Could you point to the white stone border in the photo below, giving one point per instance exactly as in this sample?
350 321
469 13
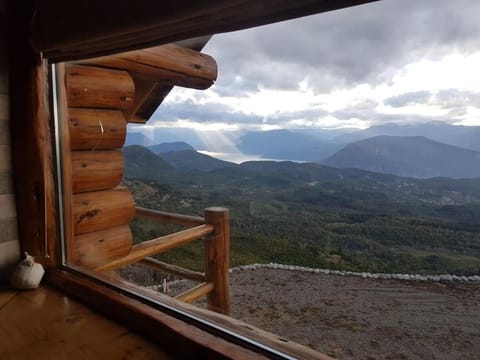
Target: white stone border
365 275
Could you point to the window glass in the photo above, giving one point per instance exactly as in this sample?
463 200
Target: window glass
346 147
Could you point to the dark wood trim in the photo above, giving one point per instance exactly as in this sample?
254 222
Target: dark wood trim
273 341
181 339
31 139
82 29
66 161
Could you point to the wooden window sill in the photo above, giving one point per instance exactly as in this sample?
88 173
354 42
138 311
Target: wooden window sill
46 324
183 339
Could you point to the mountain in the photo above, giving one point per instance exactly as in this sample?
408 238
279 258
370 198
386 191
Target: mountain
264 177
462 136
170 146
411 156
137 138
286 145
142 163
192 160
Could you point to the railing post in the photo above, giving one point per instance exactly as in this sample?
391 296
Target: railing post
217 259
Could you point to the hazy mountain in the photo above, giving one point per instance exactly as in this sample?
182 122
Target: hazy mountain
413 156
192 160
142 163
325 134
170 146
137 138
286 145
462 136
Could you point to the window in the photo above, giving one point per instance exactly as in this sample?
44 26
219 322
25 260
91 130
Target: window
368 225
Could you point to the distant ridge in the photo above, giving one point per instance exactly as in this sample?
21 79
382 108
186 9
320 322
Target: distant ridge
170 146
410 156
142 163
467 137
137 138
286 145
192 160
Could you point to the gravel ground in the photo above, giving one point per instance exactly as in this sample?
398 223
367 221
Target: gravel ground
355 318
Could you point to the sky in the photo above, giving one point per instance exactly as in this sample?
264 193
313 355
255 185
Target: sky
390 61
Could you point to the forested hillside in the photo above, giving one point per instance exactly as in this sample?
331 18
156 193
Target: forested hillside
313 215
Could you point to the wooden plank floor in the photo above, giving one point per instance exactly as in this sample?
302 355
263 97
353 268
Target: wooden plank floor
45 324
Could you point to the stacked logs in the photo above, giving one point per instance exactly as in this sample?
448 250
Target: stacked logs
101 210
102 95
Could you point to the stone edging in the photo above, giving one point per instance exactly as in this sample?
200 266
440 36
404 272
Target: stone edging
365 275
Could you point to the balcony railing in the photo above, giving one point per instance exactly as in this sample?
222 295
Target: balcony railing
214 228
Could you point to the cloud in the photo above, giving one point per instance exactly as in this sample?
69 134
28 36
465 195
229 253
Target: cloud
361 66
410 98
454 98
367 43
209 112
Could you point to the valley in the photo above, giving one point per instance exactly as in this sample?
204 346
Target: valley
314 215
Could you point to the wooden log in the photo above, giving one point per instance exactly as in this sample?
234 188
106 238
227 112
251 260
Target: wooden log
96 170
99 247
158 265
93 87
195 293
100 210
159 245
168 64
169 218
217 259
96 129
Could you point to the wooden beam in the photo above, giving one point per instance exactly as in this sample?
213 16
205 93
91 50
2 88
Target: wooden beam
217 259
76 30
156 246
168 64
195 293
158 265
169 218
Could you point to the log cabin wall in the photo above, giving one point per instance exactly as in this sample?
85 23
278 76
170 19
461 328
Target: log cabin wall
9 244
102 95
100 210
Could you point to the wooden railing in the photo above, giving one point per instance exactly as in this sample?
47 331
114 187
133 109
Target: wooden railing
215 228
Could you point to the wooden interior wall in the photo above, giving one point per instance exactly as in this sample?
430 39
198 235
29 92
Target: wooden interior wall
9 244
100 210
31 139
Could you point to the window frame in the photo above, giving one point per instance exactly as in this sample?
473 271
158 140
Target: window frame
184 326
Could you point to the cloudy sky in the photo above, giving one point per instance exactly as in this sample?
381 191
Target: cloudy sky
391 61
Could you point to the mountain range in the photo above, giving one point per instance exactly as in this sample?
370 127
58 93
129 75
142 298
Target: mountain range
462 136
411 156
412 150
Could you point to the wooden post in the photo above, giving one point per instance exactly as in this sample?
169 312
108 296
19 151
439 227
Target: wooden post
217 259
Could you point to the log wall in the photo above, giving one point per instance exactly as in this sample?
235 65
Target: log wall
100 211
